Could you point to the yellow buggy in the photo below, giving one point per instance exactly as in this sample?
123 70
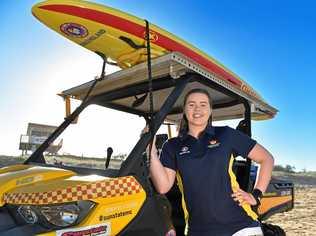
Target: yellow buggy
44 199
40 198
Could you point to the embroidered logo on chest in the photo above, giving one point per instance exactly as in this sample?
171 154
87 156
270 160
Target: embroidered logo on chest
213 143
184 150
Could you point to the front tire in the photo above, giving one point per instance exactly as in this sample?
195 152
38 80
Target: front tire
272 230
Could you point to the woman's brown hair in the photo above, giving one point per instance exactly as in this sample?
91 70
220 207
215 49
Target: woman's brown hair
184 127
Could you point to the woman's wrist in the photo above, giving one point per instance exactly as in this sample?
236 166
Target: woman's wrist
257 194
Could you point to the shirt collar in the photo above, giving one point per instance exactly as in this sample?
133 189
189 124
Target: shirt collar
209 130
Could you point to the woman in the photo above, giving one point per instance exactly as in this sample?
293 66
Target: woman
202 155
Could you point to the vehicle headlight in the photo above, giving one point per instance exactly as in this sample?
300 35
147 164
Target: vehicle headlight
55 216
28 214
62 216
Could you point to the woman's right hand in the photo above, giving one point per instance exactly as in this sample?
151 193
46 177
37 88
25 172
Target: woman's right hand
162 177
243 197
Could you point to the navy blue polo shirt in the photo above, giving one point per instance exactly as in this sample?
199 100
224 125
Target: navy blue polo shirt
205 168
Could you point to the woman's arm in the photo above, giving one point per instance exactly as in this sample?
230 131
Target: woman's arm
162 177
260 155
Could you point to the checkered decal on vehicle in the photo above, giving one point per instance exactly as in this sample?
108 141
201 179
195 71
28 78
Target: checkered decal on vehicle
107 188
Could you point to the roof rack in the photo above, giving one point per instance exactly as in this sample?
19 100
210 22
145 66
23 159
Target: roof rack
175 65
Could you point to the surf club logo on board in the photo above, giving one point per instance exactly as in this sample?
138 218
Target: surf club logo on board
74 30
153 36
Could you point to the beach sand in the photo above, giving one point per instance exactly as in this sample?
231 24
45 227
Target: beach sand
302 219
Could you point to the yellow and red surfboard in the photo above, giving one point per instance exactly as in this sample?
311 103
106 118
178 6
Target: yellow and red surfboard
121 36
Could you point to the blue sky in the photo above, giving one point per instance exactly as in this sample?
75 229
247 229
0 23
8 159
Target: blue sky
269 44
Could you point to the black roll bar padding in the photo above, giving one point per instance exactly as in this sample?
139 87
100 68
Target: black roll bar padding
37 156
130 166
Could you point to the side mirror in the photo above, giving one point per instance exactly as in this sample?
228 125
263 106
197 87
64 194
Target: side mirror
109 152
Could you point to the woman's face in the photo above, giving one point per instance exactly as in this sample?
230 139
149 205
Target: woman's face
197 110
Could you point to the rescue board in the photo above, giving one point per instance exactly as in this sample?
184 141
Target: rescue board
122 37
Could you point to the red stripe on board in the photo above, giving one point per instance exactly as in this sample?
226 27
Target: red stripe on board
138 30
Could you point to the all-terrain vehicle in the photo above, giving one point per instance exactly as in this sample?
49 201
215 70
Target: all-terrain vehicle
43 199
40 198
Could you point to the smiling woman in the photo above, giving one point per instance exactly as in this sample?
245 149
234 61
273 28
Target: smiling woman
256 49
201 157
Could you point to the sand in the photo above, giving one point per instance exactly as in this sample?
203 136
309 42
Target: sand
302 219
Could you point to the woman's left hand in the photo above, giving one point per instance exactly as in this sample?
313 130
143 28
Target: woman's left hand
243 197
